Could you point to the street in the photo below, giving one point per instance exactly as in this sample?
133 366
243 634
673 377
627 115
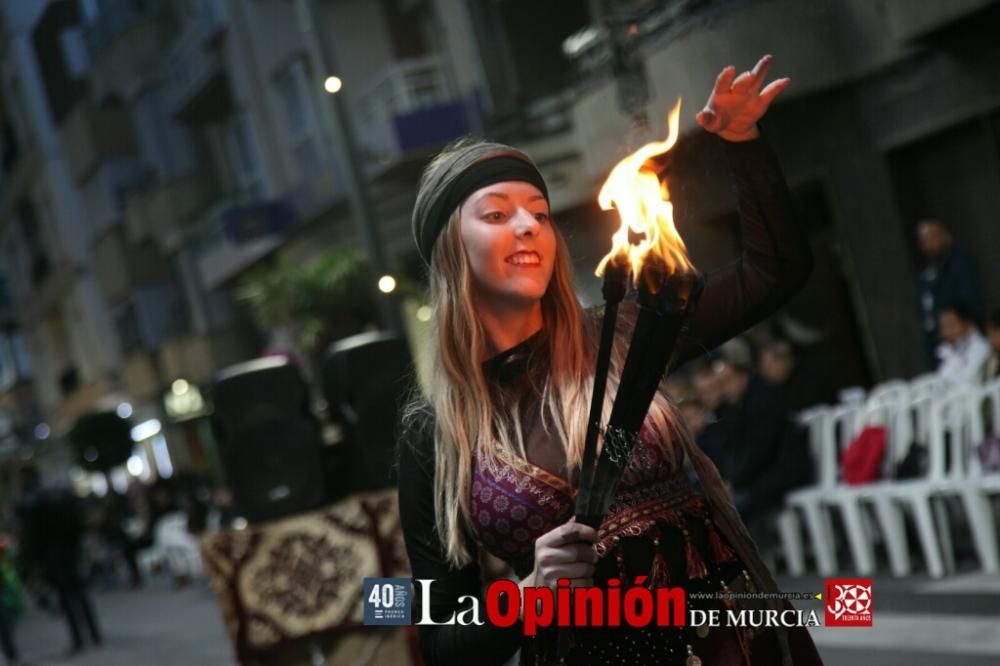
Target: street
155 625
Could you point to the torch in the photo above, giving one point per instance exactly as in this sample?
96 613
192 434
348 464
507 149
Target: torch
668 289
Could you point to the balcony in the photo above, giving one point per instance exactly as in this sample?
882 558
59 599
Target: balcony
237 233
93 134
126 42
410 107
163 210
121 266
222 257
197 85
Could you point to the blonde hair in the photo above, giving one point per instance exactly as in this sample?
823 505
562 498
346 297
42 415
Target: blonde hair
466 421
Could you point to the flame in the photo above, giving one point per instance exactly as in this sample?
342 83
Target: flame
644 207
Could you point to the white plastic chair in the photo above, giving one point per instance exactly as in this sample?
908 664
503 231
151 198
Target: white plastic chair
787 521
923 391
980 485
830 428
947 429
790 533
852 395
887 406
180 549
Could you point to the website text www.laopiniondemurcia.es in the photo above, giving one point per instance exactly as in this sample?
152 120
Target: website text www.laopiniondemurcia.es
611 606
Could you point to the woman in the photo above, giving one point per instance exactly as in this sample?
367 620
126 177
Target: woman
485 458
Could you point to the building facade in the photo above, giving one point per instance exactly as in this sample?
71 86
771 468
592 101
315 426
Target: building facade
154 152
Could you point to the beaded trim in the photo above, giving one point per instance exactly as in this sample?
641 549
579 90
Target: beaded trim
634 512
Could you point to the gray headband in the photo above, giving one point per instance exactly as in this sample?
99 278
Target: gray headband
459 174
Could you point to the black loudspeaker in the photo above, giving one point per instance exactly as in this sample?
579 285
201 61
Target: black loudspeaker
269 442
366 379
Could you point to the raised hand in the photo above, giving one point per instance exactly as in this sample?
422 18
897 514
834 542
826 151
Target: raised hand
737 102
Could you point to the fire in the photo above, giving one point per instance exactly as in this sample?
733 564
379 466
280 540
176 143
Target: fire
644 207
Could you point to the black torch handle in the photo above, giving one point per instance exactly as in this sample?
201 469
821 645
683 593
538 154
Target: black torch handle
586 478
627 426
613 289
627 414
589 487
650 353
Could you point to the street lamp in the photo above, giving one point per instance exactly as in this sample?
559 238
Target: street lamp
314 30
387 284
333 84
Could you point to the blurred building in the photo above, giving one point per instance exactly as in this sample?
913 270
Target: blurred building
154 151
56 314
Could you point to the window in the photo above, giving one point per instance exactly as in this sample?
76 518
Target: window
295 91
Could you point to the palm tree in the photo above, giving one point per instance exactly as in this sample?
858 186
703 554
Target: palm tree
316 302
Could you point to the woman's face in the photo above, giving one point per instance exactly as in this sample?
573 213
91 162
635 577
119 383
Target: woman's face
510 242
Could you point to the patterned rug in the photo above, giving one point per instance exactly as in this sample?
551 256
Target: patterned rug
300 577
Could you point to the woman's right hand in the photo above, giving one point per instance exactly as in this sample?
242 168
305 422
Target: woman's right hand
566 551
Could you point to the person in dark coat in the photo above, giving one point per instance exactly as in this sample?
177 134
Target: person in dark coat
949 276
52 530
765 452
798 387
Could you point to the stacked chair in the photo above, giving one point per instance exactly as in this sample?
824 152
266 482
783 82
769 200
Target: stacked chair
949 422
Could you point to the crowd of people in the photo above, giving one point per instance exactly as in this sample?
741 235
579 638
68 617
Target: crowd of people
741 404
742 413
61 545
951 308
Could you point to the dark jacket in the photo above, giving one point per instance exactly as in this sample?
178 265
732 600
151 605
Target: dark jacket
952 281
766 453
52 529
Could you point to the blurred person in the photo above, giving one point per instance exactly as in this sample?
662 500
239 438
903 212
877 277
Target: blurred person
991 369
10 603
693 414
964 351
118 510
780 368
708 392
52 530
777 362
222 510
765 453
486 459
949 276
161 500
706 385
